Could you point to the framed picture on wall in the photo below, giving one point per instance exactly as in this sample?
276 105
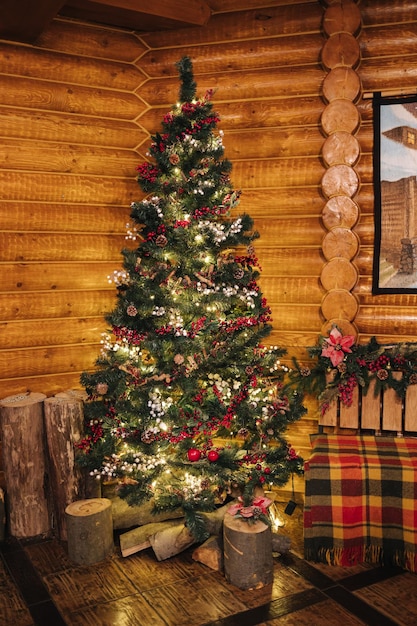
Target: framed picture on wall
395 186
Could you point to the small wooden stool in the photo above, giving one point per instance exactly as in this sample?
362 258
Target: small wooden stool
89 530
248 559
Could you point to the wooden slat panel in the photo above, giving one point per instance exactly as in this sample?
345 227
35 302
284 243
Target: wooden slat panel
82 218
277 20
91 40
69 128
349 415
57 157
43 64
410 417
392 408
55 275
60 247
54 332
50 304
54 96
67 188
371 409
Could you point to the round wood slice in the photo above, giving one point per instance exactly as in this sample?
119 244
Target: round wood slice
341 148
339 273
340 211
340 242
89 530
341 49
23 399
340 180
345 327
340 115
342 83
248 560
342 17
340 303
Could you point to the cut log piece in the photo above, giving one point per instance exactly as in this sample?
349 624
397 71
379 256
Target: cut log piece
280 543
210 553
139 538
89 530
64 426
214 519
171 541
248 560
126 516
22 436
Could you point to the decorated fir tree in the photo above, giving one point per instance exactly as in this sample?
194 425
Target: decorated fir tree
187 404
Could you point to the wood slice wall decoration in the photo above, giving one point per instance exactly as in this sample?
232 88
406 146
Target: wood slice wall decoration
340 56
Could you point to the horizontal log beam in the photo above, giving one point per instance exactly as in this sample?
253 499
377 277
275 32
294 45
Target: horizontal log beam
149 16
26 19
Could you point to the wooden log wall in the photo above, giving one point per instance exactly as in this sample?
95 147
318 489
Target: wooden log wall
76 111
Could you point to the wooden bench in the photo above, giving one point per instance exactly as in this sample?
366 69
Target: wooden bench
361 482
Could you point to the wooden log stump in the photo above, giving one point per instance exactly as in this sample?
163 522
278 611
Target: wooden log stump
138 539
2 516
64 427
210 553
89 530
23 446
171 541
248 560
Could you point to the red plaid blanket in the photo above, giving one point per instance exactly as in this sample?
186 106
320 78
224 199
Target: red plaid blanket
360 500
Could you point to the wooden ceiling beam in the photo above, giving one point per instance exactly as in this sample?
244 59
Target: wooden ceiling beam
142 15
26 19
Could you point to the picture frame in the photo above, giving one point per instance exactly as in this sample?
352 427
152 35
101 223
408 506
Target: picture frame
395 192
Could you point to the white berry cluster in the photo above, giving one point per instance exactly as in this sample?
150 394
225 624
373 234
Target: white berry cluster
158 311
158 407
119 278
154 203
132 232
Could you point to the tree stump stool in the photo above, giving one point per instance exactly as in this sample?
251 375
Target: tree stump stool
2 516
23 447
89 530
248 560
64 426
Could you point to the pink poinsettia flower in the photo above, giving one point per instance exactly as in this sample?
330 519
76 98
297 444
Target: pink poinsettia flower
336 346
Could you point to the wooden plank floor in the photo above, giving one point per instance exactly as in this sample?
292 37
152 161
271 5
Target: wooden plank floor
40 586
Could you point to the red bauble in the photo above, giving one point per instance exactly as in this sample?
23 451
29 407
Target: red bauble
194 454
213 456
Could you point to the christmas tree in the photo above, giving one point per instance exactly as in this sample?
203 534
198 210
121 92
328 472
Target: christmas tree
186 404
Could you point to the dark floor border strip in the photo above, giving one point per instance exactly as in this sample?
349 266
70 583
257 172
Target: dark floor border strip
272 610
370 577
30 585
358 607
